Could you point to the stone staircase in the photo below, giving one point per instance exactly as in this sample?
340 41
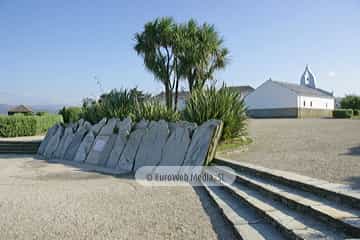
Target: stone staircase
269 204
19 147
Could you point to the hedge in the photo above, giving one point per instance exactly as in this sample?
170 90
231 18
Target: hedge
350 102
343 113
20 125
356 112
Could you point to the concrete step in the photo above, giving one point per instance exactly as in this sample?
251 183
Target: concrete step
246 223
335 192
19 147
18 152
291 223
19 142
340 216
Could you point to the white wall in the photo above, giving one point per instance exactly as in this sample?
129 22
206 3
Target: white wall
180 105
271 95
316 103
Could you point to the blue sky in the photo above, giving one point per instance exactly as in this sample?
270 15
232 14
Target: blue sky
50 51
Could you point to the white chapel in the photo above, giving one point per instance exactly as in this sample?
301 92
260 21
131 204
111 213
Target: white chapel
288 100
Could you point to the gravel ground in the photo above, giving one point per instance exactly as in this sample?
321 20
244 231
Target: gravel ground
40 200
328 149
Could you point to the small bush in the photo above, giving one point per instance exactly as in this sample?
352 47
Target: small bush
115 104
20 125
223 104
119 103
357 112
154 110
70 114
92 112
343 113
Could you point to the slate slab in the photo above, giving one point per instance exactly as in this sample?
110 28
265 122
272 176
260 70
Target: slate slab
127 158
124 128
142 124
54 142
50 133
85 147
188 125
96 150
64 142
200 143
103 145
174 150
149 153
108 128
105 154
81 122
86 125
97 127
118 148
75 143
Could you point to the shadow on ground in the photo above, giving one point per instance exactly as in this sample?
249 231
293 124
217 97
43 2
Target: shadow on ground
220 225
353 151
354 182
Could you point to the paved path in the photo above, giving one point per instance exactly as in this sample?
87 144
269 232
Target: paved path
23 139
39 200
328 149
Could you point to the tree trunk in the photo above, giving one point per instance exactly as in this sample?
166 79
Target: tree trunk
168 96
176 93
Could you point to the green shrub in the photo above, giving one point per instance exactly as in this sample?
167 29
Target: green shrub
70 114
350 102
153 110
357 112
91 112
223 104
20 125
115 104
343 113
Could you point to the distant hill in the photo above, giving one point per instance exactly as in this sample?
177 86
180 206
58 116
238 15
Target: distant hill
47 108
4 108
36 108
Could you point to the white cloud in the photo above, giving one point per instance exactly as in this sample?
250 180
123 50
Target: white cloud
331 74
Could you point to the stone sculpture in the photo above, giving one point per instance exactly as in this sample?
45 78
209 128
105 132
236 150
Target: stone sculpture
122 147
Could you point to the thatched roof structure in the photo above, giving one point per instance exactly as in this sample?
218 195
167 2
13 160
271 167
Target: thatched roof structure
19 109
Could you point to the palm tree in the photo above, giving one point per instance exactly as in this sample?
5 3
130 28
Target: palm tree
174 52
202 53
156 45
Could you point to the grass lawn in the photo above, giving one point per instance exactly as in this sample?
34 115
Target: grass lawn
233 144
